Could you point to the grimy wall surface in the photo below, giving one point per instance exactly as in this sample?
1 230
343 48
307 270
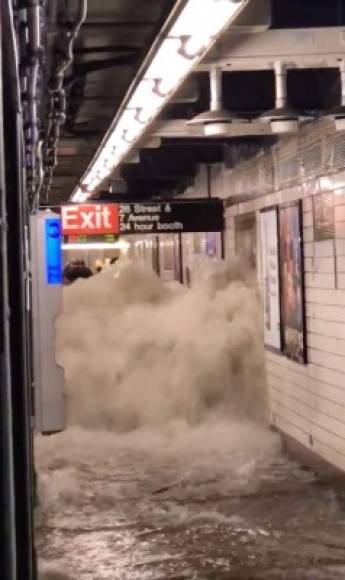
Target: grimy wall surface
307 401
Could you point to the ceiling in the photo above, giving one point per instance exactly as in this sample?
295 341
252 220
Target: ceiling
110 48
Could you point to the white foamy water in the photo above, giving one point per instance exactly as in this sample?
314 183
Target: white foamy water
49 571
165 395
137 352
101 491
230 454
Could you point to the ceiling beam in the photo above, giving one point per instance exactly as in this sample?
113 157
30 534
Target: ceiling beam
183 153
180 129
299 48
155 172
120 24
81 50
255 17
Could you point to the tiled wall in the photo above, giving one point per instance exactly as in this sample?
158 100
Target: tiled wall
307 401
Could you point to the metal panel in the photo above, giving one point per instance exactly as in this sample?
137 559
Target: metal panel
287 164
7 498
312 160
338 151
46 307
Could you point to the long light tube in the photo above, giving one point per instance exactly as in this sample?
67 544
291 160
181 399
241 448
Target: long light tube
80 196
119 245
182 46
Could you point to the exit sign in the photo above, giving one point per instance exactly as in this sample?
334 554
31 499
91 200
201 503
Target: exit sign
90 219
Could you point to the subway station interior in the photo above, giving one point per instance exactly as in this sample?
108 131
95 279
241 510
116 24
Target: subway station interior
172 279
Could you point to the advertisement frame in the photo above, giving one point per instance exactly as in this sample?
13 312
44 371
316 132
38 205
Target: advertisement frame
323 224
268 346
241 223
302 359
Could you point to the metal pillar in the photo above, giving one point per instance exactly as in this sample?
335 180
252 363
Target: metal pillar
16 492
7 499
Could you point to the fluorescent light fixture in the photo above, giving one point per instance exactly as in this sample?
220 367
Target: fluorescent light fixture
144 98
80 196
169 66
180 48
120 245
89 178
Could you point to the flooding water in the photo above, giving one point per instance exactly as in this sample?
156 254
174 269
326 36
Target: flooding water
168 468
207 503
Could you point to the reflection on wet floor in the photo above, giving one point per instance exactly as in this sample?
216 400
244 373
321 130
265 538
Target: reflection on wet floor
193 506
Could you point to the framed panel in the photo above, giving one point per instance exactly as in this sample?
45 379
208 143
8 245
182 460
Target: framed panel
211 244
323 216
245 238
168 255
270 278
198 239
178 258
292 283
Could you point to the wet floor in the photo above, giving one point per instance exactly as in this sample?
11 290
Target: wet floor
212 503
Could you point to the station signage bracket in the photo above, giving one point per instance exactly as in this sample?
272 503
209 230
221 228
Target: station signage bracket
161 217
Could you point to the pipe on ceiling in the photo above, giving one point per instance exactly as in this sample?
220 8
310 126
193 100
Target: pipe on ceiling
31 59
281 85
283 119
217 120
57 98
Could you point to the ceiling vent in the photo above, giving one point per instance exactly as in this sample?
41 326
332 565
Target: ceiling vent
216 121
282 118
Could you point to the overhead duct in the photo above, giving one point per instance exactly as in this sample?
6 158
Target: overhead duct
337 114
217 119
283 119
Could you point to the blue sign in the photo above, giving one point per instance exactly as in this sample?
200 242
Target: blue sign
53 251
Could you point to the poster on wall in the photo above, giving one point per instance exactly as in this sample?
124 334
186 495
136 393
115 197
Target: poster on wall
197 242
245 238
168 254
270 278
167 257
291 275
323 216
211 244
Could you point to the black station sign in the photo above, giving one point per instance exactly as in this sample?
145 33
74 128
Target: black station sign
172 217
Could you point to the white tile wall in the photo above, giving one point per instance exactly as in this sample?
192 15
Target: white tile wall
308 401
